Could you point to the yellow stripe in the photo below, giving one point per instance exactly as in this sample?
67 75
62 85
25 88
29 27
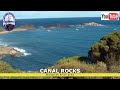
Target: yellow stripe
59 74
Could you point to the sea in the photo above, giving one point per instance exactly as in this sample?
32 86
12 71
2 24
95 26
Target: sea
43 48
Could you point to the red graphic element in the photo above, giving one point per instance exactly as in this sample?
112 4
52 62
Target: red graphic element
113 16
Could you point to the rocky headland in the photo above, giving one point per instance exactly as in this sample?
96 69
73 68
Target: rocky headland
4 50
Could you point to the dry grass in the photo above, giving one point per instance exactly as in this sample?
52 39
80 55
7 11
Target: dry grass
75 63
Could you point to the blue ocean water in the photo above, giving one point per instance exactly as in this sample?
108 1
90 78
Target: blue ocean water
44 48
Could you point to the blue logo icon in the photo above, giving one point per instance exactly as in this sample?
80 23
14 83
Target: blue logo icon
9 21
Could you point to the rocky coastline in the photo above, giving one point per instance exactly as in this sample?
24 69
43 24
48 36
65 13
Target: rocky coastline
4 50
70 26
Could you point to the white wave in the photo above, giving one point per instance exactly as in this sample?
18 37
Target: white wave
16 48
77 29
49 30
26 54
22 51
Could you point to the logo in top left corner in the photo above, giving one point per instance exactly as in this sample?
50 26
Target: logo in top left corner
9 21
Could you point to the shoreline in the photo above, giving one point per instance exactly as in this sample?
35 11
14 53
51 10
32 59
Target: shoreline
4 32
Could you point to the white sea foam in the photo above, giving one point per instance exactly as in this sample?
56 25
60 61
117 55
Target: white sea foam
22 51
16 48
48 30
77 29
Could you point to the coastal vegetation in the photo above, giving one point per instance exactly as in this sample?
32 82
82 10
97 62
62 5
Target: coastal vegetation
104 56
7 68
107 50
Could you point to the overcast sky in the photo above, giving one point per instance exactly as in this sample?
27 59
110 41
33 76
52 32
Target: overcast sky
51 14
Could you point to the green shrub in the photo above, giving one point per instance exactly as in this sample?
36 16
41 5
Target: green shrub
102 50
7 68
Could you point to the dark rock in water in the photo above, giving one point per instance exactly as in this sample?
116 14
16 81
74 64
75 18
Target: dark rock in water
106 50
56 26
72 26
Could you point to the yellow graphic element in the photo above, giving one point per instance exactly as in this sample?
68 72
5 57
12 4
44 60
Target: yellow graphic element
59 74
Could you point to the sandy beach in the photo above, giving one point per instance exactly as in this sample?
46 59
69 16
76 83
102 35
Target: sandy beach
16 29
4 32
21 28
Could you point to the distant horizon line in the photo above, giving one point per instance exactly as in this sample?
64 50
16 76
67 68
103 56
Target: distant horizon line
53 17
58 17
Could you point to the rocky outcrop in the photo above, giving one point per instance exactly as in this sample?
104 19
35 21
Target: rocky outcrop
71 26
107 49
92 24
9 51
26 27
56 26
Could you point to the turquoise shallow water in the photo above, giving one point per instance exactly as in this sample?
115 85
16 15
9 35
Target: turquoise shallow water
44 48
